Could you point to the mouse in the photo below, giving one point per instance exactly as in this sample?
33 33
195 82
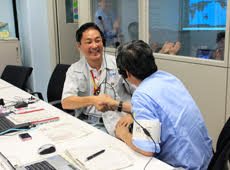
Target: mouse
46 149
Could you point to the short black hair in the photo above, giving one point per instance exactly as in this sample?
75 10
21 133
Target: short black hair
85 27
137 58
220 36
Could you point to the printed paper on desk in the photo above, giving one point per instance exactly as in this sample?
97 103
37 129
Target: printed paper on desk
63 132
35 117
103 161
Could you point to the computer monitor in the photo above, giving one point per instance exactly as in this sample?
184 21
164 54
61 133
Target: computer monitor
204 53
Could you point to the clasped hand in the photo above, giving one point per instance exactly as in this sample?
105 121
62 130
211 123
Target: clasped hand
104 103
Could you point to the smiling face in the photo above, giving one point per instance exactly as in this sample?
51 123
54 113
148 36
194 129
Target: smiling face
91 46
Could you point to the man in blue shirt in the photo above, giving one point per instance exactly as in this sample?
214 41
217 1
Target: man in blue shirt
167 122
107 22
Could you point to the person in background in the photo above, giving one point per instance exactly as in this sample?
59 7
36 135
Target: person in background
167 48
133 30
167 122
95 73
108 23
219 51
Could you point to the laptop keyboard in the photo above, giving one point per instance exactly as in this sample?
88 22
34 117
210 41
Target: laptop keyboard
5 124
44 165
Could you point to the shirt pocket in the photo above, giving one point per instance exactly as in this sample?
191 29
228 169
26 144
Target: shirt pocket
112 83
82 86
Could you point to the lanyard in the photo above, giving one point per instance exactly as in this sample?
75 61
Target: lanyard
96 89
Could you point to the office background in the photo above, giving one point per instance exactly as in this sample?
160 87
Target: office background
47 38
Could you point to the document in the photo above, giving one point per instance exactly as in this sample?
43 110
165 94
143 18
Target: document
34 116
63 132
113 158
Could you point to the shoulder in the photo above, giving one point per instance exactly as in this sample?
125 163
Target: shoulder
77 66
110 61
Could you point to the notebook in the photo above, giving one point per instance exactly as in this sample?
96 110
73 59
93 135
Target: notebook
7 126
56 162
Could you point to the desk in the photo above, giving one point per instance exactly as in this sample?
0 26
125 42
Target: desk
66 133
4 84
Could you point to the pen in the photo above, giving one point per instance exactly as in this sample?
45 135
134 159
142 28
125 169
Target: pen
95 154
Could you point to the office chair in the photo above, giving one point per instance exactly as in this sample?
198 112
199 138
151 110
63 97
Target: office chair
17 75
221 158
55 86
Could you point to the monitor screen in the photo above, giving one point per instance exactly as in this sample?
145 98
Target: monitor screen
204 53
204 14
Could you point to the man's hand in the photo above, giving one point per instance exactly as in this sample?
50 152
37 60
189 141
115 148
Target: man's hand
122 132
116 24
100 103
175 48
125 121
170 48
105 102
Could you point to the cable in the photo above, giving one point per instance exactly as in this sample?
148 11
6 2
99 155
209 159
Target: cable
106 83
11 129
149 135
105 70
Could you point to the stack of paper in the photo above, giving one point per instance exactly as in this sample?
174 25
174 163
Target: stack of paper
112 159
34 116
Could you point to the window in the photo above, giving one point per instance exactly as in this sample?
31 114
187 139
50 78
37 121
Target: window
117 22
7 22
188 27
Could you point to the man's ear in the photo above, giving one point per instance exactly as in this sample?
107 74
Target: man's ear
128 74
78 45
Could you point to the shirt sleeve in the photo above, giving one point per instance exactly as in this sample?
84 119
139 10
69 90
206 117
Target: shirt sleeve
144 111
72 84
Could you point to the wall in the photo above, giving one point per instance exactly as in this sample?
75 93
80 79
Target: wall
35 43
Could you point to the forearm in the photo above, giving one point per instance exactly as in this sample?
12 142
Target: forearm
126 106
128 140
76 102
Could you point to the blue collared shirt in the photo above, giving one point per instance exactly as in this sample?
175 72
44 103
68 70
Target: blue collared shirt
106 25
184 140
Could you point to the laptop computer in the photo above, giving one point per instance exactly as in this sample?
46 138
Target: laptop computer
56 162
7 126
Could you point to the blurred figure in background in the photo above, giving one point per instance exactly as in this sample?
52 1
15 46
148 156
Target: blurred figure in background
167 48
219 51
108 22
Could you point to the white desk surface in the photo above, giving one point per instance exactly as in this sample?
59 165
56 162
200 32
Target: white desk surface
4 84
66 134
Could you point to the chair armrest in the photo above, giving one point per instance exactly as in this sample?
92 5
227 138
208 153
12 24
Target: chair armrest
38 94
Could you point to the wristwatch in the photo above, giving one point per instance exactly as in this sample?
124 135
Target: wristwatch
119 108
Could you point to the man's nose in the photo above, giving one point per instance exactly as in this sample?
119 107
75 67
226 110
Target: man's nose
94 44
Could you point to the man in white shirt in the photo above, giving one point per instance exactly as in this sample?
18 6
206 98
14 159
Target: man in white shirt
95 73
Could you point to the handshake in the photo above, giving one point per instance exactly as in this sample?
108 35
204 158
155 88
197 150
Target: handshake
104 103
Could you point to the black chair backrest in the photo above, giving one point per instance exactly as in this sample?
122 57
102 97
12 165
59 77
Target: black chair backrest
17 75
222 154
56 82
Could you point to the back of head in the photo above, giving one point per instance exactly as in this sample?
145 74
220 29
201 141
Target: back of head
133 30
220 36
137 58
86 26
